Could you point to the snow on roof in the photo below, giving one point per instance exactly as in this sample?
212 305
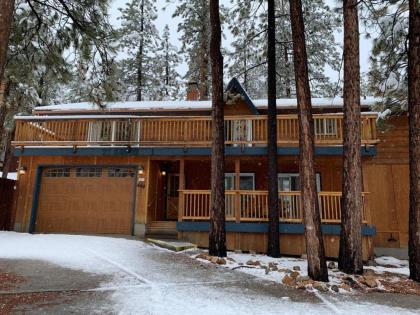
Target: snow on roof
190 105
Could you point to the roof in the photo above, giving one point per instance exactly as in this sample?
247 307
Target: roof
184 105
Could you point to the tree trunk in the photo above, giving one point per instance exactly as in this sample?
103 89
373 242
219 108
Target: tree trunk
317 266
217 235
414 139
350 254
8 152
4 91
273 194
140 57
6 19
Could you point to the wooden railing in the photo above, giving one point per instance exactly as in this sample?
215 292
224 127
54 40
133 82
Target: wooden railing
176 131
250 205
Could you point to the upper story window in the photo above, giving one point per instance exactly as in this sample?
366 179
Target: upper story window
246 181
291 182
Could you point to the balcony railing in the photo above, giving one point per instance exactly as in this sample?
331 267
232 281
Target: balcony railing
176 131
251 205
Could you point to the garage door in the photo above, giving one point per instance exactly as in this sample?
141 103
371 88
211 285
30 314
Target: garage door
86 200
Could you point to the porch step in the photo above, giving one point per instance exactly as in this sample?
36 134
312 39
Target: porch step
165 229
171 244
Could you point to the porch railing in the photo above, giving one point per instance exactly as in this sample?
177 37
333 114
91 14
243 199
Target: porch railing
176 131
251 205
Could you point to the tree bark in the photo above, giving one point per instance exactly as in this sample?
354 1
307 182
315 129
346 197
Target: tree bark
317 266
350 253
6 19
8 152
414 139
140 54
273 194
217 235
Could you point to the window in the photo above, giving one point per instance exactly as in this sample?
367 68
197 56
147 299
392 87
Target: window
88 172
57 172
120 172
246 181
290 182
326 126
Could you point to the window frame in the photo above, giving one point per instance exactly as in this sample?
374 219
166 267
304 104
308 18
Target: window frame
233 175
317 179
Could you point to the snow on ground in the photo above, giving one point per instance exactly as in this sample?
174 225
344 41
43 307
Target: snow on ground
10 175
390 264
148 280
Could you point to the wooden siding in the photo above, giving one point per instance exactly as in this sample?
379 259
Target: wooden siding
386 177
178 131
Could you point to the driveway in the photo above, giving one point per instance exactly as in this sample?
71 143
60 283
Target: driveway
68 274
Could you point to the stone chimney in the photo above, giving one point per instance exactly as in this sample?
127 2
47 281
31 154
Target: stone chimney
193 93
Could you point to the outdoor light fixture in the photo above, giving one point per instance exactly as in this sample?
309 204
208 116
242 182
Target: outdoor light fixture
141 170
22 170
163 173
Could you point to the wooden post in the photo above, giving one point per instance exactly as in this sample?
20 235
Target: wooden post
237 188
181 189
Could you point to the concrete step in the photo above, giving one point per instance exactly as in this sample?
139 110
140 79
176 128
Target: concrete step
171 244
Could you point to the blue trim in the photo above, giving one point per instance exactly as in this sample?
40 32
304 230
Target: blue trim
176 151
285 228
235 86
37 188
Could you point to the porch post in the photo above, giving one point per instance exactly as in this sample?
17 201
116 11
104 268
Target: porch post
181 189
237 193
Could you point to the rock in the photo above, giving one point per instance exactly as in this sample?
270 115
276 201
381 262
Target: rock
320 286
331 265
294 274
288 280
297 268
369 272
221 261
272 264
370 281
274 268
303 278
253 263
345 286
214 260
335 288
230 259
284 270
202 256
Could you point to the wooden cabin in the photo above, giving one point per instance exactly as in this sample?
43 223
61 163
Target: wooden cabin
143 168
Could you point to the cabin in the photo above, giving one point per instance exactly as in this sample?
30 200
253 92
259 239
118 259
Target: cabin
143 169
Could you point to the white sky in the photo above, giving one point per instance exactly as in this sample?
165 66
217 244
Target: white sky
165 17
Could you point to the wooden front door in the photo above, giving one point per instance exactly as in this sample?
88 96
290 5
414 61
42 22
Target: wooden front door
86 200
172 197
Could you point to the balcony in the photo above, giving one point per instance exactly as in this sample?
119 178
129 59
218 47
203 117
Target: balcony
252 206
188 131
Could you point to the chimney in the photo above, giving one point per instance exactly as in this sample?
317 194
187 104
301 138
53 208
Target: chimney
193 93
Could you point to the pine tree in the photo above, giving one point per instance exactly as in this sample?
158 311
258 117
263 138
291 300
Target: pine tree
168 59
387 75
217 235
250 37
273 194
139 40
195 38
350 253
317 265
414 139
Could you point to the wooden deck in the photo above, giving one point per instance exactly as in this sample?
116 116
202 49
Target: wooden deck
252 206
185 131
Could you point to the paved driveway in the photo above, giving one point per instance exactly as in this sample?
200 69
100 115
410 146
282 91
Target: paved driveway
64 274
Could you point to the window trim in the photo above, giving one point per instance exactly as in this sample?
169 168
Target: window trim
233 175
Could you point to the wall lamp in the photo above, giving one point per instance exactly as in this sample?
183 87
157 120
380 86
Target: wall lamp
141 170
22 170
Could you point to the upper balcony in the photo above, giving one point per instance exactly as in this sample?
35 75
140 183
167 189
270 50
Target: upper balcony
177 131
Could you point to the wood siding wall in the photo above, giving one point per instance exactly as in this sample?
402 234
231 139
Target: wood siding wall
386 178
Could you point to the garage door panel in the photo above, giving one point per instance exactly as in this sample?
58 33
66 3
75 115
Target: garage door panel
88 205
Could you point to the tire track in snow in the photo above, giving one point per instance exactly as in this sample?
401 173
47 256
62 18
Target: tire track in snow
328 303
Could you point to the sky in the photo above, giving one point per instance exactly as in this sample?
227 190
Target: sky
165 10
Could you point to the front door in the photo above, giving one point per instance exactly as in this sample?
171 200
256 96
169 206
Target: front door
172 197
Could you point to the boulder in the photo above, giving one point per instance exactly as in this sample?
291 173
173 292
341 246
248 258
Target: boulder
331 265
295 274
296 268
320 286
288 280
335 288
221 261
345 286
370 281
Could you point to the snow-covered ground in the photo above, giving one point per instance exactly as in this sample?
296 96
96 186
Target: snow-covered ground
150 280
10 175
